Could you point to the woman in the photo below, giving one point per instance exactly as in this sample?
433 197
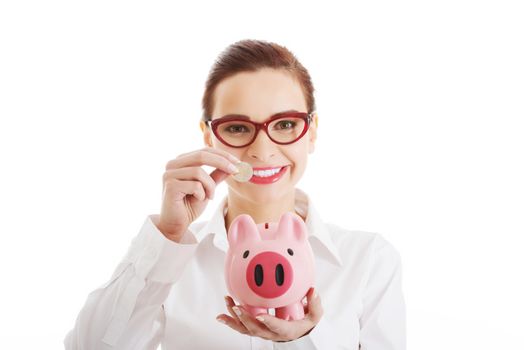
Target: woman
170 286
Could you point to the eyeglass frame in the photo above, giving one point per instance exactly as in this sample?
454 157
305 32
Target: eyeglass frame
306 116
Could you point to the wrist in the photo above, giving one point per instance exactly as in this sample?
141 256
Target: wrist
171 233
303 335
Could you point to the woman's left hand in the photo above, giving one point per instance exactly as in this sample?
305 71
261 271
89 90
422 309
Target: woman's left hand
270 327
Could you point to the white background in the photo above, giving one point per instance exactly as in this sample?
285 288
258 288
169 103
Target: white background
420 138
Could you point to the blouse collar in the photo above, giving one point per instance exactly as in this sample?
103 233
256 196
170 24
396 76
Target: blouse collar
317 229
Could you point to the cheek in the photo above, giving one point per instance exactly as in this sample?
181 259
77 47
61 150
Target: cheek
234 151
299 159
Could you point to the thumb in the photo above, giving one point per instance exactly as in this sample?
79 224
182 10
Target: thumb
315 310
218 175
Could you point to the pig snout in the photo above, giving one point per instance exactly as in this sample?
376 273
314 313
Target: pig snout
269 274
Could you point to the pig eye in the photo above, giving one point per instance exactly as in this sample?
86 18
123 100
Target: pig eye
290 251
246 253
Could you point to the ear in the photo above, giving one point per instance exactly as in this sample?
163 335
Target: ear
312 132
242 229
206 131
291 226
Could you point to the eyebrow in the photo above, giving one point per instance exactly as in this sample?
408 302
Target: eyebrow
242 116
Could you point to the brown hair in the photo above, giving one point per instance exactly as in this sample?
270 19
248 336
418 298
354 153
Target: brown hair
248 56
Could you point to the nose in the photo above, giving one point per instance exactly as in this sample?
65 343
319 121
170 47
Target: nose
269 274
262 147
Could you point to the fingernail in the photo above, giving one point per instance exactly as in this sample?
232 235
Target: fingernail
260 318
232 168
227 300
237 310
220 320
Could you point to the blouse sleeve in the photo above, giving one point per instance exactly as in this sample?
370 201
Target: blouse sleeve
126 312
383 318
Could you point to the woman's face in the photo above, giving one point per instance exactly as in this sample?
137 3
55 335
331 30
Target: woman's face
260 95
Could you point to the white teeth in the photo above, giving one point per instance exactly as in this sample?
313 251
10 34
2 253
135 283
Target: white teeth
266 173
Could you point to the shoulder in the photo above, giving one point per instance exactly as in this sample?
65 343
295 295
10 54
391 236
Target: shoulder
375 258
365 244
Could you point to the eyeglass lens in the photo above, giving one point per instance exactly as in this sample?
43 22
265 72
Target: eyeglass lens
239 133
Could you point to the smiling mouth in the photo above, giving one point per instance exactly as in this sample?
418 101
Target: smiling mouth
268 172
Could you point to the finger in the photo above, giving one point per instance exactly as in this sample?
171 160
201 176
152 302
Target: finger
193 174
230 303
203 157
305 304
218 176
315 310
185 188
274 324
218 151
254 326
232 323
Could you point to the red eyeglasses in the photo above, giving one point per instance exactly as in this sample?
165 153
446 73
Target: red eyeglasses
236 130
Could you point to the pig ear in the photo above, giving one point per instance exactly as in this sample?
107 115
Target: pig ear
242 229
292 227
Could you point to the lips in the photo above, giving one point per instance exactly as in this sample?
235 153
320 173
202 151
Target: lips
268 175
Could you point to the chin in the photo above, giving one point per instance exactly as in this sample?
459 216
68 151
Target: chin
267 193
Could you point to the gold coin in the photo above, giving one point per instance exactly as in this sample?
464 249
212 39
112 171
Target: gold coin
245 171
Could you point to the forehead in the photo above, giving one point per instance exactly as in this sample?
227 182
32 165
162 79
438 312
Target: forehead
258 94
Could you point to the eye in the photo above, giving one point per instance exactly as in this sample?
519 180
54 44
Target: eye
246 253
237 128
285 124
290 251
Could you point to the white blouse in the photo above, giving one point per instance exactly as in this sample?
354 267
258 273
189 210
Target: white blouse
170 293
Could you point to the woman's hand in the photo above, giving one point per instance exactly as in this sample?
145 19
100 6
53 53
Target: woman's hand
188 188
270 327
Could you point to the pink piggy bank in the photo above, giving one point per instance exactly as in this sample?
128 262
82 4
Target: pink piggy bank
270 265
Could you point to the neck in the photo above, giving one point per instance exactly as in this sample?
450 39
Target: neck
260 212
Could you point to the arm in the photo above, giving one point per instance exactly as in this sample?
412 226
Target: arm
383 318
126 312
